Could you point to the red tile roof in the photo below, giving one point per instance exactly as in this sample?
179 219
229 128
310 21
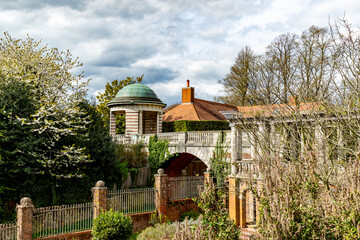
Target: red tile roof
273 109
199 110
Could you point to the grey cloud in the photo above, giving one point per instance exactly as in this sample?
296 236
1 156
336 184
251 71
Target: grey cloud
156 75
39 4
122 55
125 9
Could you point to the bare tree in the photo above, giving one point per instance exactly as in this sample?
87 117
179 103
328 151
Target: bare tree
282 53
241 82
308 151
315 69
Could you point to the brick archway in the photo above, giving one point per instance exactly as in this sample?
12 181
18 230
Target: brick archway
180 164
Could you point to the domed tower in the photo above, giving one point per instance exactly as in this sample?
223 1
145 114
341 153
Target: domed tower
142 109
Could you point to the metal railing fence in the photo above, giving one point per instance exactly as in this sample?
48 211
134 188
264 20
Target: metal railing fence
131 201
185 187
8 231
56 220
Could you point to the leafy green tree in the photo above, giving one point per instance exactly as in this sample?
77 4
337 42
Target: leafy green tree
105 164
17 166
111 89
56 94
103 152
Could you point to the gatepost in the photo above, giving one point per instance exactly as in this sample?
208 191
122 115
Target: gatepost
25 213
99 198
162 193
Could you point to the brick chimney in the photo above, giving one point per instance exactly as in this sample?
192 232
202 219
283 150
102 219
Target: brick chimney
187 93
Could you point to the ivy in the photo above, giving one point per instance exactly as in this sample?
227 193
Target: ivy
158 152
216 220
220 163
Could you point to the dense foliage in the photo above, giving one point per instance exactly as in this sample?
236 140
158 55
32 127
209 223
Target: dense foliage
54 145
112 225
158 152
133 155
215 218
187 125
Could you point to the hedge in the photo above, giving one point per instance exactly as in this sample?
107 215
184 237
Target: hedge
186 125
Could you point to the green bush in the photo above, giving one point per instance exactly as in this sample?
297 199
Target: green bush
186 125
158 152
112 225
191 214
216 220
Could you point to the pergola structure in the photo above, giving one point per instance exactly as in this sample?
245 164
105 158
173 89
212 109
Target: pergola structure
142 109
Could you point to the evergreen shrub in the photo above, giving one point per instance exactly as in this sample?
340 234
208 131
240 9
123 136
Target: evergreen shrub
112 225
186 125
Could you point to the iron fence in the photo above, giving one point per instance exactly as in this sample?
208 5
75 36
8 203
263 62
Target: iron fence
185 187
56 220
8 231
131 201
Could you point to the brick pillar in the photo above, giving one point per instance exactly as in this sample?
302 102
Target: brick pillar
161 189
131 124
260 189
99 198
141 122
234 203
160 122
25 219
242 210
112 124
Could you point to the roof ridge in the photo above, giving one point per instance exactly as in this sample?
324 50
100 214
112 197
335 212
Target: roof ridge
197 114
232 106
208 111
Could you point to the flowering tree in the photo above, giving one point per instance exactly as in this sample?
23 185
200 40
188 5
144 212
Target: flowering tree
55 93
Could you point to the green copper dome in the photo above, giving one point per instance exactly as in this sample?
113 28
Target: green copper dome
136 94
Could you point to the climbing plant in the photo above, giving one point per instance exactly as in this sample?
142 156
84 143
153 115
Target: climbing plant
158 152
220 162
215 218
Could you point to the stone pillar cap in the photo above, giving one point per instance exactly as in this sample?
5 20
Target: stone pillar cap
160 171
25 201
100 184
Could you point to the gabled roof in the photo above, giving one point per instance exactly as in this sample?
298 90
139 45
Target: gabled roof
198 110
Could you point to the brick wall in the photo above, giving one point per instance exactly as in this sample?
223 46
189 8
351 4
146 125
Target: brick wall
177 207
141 221
86 235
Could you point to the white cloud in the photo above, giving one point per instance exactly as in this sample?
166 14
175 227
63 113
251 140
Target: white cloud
168 41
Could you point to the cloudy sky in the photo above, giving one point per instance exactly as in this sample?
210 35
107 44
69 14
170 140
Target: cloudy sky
168 41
